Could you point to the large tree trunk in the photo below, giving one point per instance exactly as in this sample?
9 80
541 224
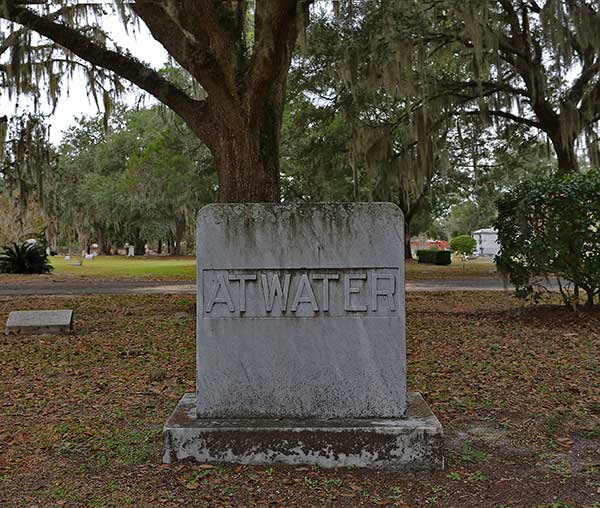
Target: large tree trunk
247 160
565 153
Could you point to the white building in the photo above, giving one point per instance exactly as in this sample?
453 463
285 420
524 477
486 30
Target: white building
487 242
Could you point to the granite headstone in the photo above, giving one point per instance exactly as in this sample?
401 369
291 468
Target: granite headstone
301 311
300 318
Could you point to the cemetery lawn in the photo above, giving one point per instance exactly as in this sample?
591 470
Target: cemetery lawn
184 268
458 269
122 267
516 387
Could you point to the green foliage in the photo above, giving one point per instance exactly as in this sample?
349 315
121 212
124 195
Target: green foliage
469 216
27 258
434 256
360 124
551 227
485 164
464 245
144 184
471 455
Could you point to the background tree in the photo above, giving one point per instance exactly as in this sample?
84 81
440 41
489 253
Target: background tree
167 186
18 224
463 245
485 162
361 86
26 170
144 184
534 62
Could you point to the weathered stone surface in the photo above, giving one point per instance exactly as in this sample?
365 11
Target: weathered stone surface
300 345
39 321
413 442
334 347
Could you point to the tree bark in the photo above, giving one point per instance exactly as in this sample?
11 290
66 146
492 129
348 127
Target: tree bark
140 246
407 246
179 232
565 153
590 298
248 162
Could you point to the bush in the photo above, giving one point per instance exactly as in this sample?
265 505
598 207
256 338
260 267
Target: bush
551 227
434 256
24 258
463 244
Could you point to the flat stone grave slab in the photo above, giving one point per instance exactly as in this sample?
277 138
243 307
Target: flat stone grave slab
39 322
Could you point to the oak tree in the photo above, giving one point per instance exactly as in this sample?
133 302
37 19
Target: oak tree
238 52
534 62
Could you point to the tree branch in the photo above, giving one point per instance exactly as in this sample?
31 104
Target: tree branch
276 25
511 14
14 36
127 67
588 73
505 114
590 104
11 39
191 51
485 86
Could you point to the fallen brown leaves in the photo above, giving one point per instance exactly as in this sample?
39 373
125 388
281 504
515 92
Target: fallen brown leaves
516 387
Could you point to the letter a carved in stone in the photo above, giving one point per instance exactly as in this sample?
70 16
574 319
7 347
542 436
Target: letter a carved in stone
215 298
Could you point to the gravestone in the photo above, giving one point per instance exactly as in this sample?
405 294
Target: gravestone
301 341
39 322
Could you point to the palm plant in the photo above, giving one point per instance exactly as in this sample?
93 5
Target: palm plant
24 258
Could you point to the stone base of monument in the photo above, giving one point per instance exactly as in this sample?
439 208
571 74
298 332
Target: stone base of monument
414 442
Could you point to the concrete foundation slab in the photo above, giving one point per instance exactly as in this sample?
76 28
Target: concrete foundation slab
39 322
414 442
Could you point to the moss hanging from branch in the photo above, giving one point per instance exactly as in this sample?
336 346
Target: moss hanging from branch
37 67
543 55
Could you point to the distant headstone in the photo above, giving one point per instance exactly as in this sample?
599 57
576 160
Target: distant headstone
301 341
39 322
131 251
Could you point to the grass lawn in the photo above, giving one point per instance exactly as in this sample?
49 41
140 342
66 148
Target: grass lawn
517 388
470 268
184 268
116 267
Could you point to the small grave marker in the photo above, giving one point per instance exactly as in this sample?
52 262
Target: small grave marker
39 322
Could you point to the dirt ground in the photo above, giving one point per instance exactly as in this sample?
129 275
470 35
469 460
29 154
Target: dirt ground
516 387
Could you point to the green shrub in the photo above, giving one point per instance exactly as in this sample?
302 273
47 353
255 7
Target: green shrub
463 244
550 227
24 258
434 256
